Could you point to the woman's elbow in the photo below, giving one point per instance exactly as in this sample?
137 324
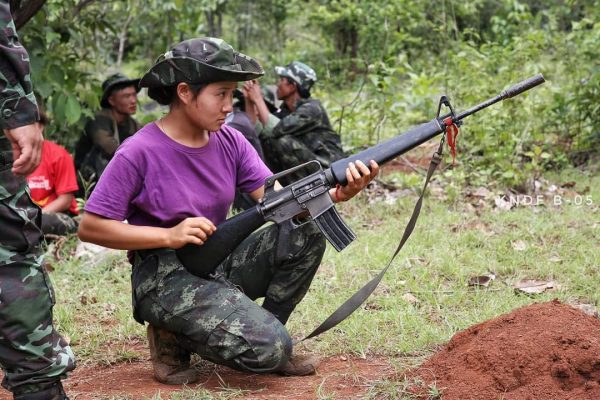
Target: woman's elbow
83 232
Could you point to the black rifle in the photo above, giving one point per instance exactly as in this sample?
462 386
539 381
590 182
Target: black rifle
310 195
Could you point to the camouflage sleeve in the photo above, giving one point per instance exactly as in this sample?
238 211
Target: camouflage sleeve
17 102
304 119
266 129
101 131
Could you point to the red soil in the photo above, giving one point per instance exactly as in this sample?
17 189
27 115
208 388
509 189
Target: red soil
548 351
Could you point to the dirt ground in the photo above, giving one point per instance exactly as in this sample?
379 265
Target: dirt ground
340 376
548 351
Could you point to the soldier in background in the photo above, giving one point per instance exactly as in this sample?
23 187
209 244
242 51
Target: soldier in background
304 132
109 127
33 356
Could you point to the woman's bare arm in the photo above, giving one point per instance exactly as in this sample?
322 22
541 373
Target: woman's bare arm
119 235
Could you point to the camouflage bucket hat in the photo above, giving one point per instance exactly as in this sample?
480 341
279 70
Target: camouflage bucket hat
300 73
201 60
113 81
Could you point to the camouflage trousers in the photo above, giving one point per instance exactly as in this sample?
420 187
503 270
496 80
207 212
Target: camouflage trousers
60 224
33 356
217 318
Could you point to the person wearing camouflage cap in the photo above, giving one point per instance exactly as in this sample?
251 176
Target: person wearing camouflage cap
300 131
33 356
173 181
109 127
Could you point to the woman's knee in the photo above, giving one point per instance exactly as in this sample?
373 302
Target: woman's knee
273 348
259 344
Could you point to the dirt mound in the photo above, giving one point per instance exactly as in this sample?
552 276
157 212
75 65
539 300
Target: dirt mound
547 351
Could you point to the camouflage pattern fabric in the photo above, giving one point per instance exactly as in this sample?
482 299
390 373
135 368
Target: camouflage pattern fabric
99 142
201 60
17 101
217 318
300 73
33 355
303 135
60 224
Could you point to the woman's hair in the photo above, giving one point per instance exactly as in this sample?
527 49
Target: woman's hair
167 95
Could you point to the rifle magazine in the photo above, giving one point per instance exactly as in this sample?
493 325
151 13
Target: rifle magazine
335 229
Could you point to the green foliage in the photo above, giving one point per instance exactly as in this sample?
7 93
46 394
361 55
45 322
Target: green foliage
381 65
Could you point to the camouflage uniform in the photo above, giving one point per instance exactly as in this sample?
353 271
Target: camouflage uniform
304 134
33 356
57 223
102 135
217 318
99 142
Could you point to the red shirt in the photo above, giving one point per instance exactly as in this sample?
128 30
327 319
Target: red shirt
54 176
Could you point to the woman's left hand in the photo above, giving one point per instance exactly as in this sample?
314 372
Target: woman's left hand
358 176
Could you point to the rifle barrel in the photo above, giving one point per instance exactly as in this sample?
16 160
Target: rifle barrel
507 94
392 148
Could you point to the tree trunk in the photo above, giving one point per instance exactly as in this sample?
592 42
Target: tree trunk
24 10
214 20
123 39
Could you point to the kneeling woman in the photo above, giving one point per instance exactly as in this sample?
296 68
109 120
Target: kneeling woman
173 181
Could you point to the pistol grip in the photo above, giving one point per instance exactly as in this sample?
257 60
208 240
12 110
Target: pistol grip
335 229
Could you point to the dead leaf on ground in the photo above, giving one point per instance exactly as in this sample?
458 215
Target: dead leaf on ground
471 225
372 306
519 245
87 300
410 298
555 259
533 286
588 309
482 192
481 280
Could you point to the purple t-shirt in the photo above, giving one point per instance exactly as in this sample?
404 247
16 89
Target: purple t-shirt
154 181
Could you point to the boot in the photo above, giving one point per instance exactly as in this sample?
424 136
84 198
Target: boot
170 362
55 392
300 365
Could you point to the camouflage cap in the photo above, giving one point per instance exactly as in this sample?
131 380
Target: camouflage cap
112 82
300 73
201 60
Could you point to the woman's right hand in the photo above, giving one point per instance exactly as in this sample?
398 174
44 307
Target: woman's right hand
194 230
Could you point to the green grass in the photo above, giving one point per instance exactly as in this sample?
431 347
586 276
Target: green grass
452 242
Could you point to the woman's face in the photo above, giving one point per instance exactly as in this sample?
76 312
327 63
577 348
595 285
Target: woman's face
209 109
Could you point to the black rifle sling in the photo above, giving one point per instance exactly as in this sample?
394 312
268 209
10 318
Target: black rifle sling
363 294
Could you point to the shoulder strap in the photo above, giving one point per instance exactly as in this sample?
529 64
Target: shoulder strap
361 295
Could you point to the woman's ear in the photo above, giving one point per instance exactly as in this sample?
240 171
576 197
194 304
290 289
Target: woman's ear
184 93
